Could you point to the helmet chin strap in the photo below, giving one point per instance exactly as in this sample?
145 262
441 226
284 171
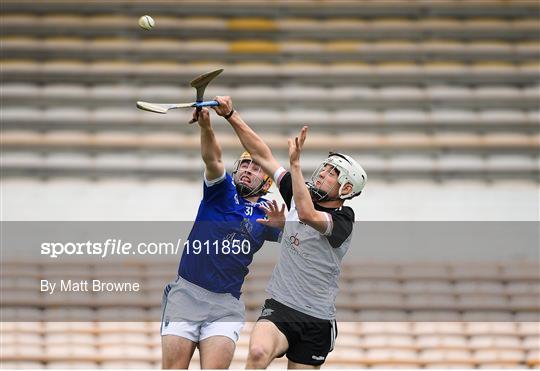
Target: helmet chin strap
318 195
244 190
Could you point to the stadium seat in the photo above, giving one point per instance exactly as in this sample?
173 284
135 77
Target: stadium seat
382 315
423 271
71 365
450 328
453 365
528 328
435 315
126 365
388 341
491 342
415 286
265 92
69 351
513 356
385 328
501 328
445 355
69 314
523 271
509 365
441 341
475 315
22 365
388 355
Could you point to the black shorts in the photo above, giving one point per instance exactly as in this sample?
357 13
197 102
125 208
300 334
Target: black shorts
310 338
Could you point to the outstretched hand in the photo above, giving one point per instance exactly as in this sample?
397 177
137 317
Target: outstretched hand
275 216
296 144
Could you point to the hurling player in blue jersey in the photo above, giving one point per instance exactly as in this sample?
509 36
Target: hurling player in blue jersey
202 307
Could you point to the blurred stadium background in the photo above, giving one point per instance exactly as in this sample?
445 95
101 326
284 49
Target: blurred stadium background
439 100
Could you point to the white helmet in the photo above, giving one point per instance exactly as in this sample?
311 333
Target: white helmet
349 171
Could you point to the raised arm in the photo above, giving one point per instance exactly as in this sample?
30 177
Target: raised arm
210 148
258 149
307 213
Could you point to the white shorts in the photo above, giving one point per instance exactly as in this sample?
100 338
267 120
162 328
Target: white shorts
195 313
197 331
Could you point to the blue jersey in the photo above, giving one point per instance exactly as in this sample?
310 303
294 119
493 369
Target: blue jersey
224 237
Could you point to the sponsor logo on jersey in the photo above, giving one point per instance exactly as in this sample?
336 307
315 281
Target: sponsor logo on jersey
246 226
294 240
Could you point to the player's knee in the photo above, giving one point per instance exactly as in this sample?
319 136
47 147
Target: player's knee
259 355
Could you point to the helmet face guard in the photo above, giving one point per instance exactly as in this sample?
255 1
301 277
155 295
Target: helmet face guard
316 190
261 179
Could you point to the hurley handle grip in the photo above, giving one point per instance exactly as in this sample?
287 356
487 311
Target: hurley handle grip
208 103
